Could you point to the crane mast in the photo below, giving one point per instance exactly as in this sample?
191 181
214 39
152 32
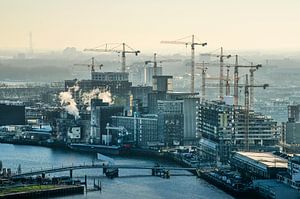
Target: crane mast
203 78
155 61
236 77
192 44
227 81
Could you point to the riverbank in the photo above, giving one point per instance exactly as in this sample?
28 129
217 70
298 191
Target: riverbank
130 180
40 191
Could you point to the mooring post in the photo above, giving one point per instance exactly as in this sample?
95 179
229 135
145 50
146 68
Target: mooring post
85 183
100 186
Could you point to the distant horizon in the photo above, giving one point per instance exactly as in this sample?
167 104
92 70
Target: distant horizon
238 25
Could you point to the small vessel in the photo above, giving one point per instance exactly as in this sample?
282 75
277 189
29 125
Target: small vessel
103 149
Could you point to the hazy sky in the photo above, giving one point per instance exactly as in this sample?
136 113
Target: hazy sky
234 24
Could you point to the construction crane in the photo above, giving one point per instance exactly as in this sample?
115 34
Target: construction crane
203 76
236 77
160 61
221 79
122 132
92 65
113 47
192 43
247 108
227 81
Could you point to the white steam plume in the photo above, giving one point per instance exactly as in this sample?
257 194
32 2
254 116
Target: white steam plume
96 94
69 104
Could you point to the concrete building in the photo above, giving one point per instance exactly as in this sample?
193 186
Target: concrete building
170 106
141 93
115 82
149 73
224 127
294 170
12 114
110 76
161 86
258 165
292 133
171 123
101 115
143 131
294 113
191 133
170 126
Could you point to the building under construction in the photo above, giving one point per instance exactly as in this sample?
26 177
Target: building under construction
223 129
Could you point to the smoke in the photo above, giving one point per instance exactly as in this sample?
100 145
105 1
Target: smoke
67 101
96 94
69 104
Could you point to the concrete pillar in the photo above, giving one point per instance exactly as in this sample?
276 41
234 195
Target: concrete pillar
71 173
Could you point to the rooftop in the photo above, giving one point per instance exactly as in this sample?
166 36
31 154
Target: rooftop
265 158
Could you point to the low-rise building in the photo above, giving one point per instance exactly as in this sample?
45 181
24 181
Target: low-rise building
142 130
258 165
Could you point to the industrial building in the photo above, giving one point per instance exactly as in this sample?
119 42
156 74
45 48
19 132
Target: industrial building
292 133
258 165
294 171
109 76
116 83
101 113
294 113
149 73
223 126
161 86
170 126
140 93
143 130
191 133
12 114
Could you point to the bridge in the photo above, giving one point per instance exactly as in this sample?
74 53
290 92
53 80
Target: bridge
97 166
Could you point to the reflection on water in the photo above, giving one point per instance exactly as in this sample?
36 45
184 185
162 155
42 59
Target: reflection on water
131 184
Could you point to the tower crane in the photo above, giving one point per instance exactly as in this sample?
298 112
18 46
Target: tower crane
160 61
113 47
236 77
192 43
92 65
122 132
247 108
203 76
221 56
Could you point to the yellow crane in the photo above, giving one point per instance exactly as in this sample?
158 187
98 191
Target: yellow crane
191 43
115 47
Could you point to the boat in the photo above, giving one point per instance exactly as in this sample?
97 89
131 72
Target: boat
103 149
230 184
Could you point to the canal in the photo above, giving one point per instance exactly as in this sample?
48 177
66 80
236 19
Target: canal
131 183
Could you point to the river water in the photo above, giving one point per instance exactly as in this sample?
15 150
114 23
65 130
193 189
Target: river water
135 184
